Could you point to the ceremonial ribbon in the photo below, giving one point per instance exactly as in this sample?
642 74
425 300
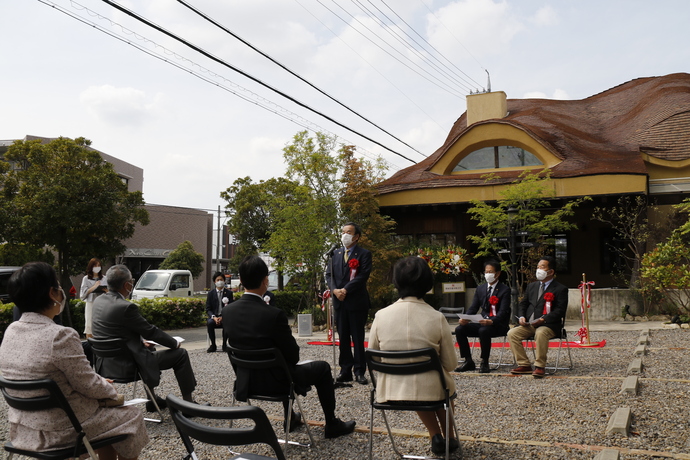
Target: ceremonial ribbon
586 299
325 296
548 298
493 301
354 265
582 333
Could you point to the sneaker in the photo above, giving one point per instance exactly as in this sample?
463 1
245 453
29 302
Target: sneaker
337 427
538 373
521 370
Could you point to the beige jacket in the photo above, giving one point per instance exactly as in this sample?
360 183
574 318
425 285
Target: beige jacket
35 348
408 324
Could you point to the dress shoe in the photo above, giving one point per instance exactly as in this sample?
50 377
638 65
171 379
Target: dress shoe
337 427
295 422
521 370
438 444
484 368
538 373
342 378
362 380
161 404
211 349
467 366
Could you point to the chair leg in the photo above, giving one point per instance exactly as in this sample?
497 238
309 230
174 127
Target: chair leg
371 432
390 434
304 418
153 400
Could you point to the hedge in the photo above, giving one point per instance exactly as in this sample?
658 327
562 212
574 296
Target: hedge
166 313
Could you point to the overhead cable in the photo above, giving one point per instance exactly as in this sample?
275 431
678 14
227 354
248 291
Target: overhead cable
251 77
225 29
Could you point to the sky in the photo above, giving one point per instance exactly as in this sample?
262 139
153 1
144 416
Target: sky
193 134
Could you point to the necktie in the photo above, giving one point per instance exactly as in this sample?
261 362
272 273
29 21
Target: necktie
488 296
541 290
347 254
220 302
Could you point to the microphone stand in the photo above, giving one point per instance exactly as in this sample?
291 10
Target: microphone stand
331 315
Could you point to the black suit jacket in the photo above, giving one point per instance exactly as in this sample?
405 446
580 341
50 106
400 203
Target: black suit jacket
212 301
532 303
481 302
251 324
338 277
116 317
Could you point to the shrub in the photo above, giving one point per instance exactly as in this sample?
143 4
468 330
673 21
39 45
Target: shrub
291 301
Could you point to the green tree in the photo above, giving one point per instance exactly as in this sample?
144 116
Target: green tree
359 204
63 195
19 254
529 195
184 257
305 220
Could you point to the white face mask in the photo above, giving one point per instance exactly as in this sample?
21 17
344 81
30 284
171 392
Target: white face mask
96 270
541 274
220 284
64 300
346 239
490 277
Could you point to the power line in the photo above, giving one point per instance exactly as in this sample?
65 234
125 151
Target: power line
262 102
256 80
440 84
421 53
427 42
220 26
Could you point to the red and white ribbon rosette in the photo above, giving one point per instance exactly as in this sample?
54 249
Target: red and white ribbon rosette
493 301
354 265
548 298
324 298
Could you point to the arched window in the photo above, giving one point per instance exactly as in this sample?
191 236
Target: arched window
499 156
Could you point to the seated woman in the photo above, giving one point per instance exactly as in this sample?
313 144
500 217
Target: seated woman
409 324
36 348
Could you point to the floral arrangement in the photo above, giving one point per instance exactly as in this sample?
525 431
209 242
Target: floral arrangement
451 260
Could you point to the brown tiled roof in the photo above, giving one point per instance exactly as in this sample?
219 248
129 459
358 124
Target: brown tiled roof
602 134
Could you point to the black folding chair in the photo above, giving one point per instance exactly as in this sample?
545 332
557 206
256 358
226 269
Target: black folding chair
265 359
398 363
262 431
51 398
474 345
561 337
128 371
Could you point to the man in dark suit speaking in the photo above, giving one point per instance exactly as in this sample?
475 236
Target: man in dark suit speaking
492 301
347 274
250 324
116 317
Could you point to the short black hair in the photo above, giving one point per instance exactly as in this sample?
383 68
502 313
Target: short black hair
216 275
494 263
412 277
358 229
252 270
552 262
29 287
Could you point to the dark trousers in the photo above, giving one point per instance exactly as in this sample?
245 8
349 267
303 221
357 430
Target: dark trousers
350 325
211 327
318 374
485 333
178 360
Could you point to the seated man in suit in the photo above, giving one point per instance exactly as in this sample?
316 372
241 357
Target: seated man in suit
215 301
251 324
493 299
540 314
115 317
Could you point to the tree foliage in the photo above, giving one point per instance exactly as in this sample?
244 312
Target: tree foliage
529 195
184 257
19 254
63 195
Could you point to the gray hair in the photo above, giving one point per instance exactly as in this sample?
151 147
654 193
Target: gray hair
117 276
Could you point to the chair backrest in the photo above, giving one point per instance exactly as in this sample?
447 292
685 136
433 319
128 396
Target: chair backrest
426 359
451 313
116 350
262 359
261 432
53 399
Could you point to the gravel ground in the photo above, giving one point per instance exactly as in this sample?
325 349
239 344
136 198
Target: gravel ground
499 416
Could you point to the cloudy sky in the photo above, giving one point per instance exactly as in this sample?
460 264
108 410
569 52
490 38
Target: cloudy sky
195 125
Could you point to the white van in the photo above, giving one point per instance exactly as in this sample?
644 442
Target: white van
164 283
